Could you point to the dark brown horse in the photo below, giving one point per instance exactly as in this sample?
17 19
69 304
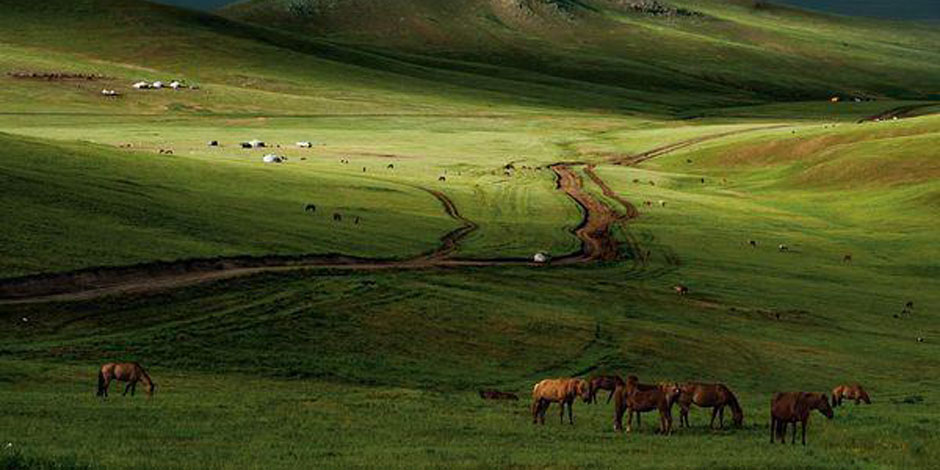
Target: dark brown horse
497 395
604 382
790 407
561 391
849 392
635 397
714 396
130 372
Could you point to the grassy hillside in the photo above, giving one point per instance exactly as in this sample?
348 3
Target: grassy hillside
354 367
702 50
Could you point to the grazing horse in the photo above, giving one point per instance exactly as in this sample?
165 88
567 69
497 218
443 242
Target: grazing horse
847 258
714 396
442 178
909 304
604 382
337 217
130 372
391 166
782 248
561 391
497 395
680 289
635 397
310 208
790 407
849 392
753 243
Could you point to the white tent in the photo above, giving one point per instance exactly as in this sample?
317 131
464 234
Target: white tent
540 257
272 158
175 84
141 86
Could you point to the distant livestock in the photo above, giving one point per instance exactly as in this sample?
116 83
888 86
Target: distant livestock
304 144
680 289
847 258
636 398
753 243
662 203
310 208
272 158
130 372
442 178
540 257
783 248
213 143
337 217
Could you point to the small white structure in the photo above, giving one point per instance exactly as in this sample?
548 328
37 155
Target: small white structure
141 86
305 144
176 85
106 92
255 143
157 85
540 257
272 158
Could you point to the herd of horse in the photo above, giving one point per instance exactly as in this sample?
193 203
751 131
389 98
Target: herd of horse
630 397
633 398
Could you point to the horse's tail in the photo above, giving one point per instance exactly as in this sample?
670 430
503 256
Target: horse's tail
100 383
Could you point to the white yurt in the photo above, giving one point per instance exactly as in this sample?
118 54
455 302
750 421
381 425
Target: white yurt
271 158
540 257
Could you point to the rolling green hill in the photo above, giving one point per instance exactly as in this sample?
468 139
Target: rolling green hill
439 130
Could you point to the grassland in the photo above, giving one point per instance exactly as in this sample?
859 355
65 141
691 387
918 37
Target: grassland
346 368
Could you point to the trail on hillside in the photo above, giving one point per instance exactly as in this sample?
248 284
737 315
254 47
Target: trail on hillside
594 229
633 160
899 112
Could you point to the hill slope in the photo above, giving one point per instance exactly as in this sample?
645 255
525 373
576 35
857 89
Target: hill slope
732 49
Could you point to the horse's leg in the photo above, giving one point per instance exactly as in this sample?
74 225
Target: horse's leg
721 417
126 388
793 440
133 388
570 412
773 429
561 413
630 419
611 395
711 425
803 433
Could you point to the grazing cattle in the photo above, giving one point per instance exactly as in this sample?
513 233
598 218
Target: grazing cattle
635 180
703 180
714 396
688 160
363 169
130 372
337 217
310 208
246 145
635 397
652 183
849 392
497 395
783 248
604 382
680 289
753 243
662 203
909 304
791 407
213 143
648 203
561 391
442 178
847 258
391 166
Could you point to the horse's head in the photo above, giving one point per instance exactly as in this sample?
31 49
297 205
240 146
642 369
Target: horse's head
865 398
822 404
584 390
151 389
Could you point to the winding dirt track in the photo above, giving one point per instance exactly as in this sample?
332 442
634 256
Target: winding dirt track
597 243
899 112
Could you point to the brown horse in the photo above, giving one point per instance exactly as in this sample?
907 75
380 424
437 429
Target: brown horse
561 391
490 394
130 372
635 397
790 407
849 392
714 396
604 382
